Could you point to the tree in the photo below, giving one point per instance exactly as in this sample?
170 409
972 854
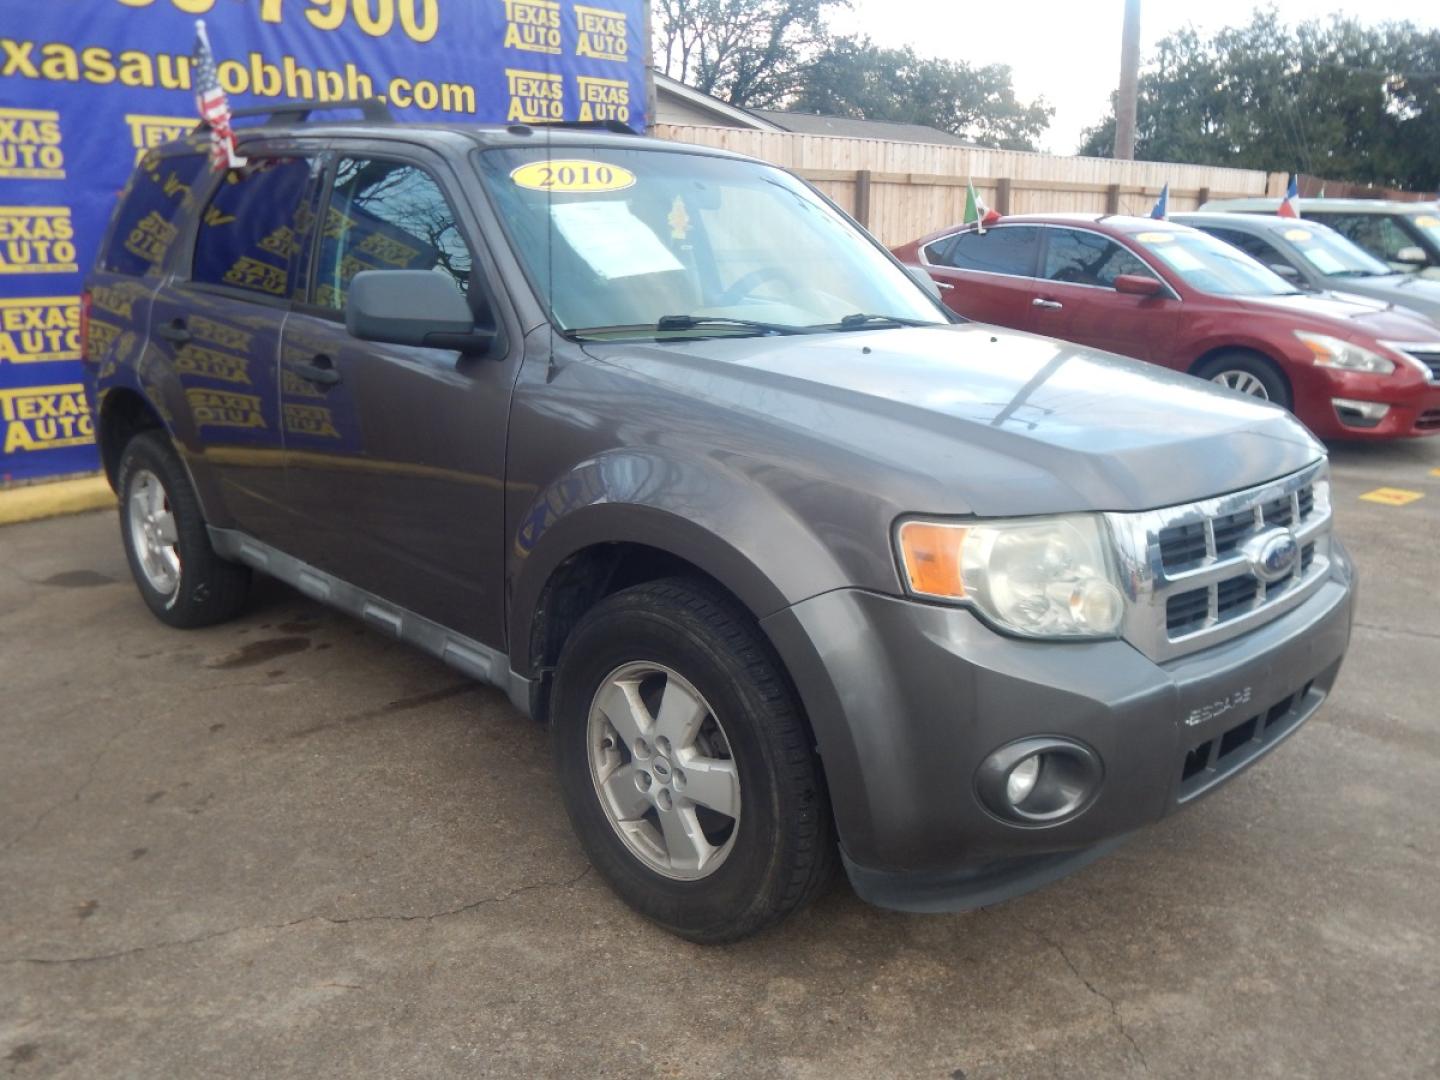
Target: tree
855 77
1335 99
751 53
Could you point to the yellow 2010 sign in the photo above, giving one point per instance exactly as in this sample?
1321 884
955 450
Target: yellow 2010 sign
567 176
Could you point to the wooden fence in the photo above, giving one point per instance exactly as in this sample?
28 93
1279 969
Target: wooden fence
902 190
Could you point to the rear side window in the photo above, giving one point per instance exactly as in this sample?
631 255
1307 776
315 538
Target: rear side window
938 253
249 234
144 228
386 215
1077 257
1010 249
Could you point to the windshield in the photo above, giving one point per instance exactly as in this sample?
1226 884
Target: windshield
1333 255
624 242
1213 266
1429 224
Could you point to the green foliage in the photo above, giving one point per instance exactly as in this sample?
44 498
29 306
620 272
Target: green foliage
751 53
1334 99
854 77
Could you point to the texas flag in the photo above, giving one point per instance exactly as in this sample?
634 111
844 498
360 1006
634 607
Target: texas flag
1161 210
1290 205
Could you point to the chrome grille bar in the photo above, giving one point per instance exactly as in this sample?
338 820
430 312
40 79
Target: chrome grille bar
1150 584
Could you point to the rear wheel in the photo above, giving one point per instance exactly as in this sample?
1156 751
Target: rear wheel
179 576
1249 374
686 766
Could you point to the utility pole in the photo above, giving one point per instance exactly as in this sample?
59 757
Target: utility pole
1129 77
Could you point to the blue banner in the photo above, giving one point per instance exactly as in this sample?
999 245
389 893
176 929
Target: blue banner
86 86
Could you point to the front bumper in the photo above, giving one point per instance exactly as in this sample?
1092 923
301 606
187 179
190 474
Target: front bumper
907 699
1413 405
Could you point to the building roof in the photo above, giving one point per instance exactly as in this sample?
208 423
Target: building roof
717 112
851 128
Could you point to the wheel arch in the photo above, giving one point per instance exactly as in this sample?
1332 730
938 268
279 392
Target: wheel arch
123 413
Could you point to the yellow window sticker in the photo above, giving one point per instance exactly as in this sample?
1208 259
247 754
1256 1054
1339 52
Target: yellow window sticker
1425 221
572 176
1155 237
1298 236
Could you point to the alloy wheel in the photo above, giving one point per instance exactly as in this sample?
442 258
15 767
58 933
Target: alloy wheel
152 532
1242 381
663 771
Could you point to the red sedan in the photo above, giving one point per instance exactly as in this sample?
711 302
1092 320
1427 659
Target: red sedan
1175 296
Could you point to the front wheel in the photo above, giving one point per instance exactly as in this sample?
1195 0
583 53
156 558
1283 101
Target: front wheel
178 574
687 768
1248 374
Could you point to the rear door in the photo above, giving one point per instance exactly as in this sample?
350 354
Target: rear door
1079 269
215 337
990 276
395 454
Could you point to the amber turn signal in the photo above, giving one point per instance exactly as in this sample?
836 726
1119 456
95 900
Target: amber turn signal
931 554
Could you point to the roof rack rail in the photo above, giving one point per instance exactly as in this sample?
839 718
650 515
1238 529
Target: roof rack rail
297 112
614 126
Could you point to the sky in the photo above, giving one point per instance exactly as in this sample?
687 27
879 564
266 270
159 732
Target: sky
1069 52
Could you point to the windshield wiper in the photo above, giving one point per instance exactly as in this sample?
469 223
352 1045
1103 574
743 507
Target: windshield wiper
680 323
705 322
864 321
1359 273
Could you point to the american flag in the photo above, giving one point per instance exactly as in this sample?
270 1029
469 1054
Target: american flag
214 107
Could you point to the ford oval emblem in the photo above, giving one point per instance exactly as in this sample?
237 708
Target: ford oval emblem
1277 557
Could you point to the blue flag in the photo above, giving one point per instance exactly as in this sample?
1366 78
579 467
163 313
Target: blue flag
1161 210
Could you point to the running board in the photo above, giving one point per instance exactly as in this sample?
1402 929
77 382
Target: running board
462 653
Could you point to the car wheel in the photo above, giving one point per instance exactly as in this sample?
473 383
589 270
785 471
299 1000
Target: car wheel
686 765
179 575
1248 374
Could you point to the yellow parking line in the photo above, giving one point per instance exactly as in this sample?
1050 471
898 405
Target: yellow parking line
1435 472
53 499
1388 496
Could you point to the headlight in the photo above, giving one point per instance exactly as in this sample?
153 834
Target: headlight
1332 352
1040 577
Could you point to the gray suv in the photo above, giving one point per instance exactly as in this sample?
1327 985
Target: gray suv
797 569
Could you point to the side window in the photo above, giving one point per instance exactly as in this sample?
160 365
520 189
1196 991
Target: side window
1255 246
386 215
938 253
144 226
1078 257
249 234
1008 249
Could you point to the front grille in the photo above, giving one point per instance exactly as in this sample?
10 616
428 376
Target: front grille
1428 420
1430 359
1190 574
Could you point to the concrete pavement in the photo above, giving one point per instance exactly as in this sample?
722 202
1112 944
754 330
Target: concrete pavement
287 846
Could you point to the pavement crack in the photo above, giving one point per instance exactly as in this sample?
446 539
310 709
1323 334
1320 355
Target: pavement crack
74 796
200 939
1119 1021
1403 631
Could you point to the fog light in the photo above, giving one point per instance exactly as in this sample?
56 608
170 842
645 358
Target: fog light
1021 781
1360 413
1042 780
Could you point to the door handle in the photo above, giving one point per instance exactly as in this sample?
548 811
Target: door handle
944 285
175 330
1051 305
318 370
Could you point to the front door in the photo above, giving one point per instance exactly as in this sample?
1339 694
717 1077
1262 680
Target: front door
395 454
1078 274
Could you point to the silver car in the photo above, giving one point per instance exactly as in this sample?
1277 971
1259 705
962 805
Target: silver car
1317 258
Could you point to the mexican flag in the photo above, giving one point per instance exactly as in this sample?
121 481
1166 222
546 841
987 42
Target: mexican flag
976 212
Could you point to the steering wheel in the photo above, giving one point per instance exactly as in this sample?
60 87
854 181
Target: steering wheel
748 283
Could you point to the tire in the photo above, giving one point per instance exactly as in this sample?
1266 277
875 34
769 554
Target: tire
770 857
183 582
1247 373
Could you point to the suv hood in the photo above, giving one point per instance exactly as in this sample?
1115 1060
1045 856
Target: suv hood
974 419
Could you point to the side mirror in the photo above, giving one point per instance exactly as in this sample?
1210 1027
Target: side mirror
1411 256
412 307
925 281
1285 270
1138 285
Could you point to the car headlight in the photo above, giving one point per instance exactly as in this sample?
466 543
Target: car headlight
1332 352
1039 577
